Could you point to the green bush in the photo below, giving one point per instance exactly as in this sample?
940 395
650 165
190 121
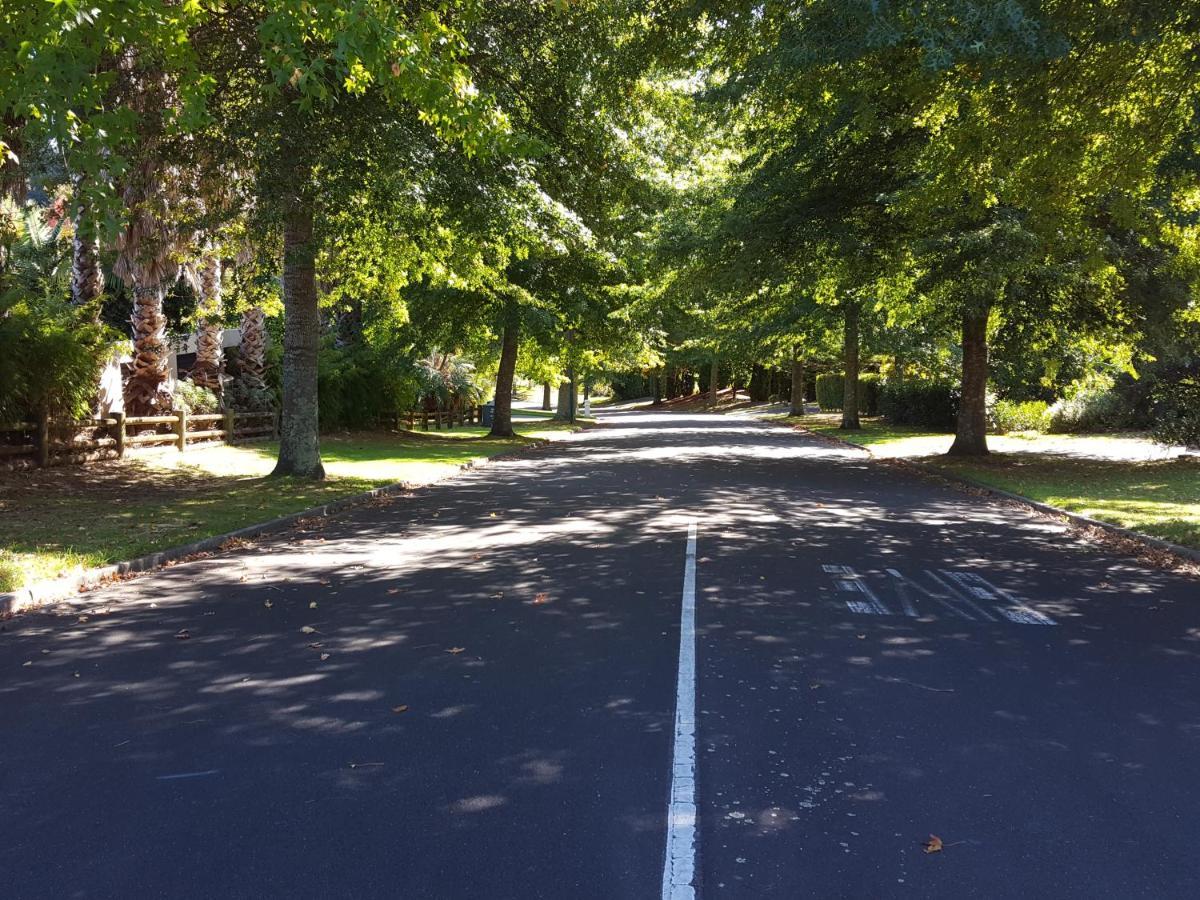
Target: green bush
363 386
1011 415
242 395
195 399
1089 411
926 404
1178 414
831 392
11 576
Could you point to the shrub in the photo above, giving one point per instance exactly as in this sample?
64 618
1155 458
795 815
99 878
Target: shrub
926 404
1089 411
831 392
195 399
244 395
1178 414
11 576
1011 415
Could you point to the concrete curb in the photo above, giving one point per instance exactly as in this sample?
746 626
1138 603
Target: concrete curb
1183 553
42 593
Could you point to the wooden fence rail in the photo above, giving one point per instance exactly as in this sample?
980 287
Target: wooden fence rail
46 442
470 415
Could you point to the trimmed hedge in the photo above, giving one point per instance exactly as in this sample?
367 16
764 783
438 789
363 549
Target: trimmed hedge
831 391
926 404
1179 414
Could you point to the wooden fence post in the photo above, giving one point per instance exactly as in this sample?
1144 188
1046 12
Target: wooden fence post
229 425
119 433
43 441
181 428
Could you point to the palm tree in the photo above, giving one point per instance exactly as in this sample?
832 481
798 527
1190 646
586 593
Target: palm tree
87 279
209 365
145 262
253 354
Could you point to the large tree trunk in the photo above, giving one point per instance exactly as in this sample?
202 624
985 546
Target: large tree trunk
210 355
970 438
850 381
714 380
798 386
546 405
563 409
656 388
573 398
299 435
502 417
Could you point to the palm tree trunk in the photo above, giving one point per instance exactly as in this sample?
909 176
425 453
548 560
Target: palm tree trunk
299 433
970 438
146 392
87 280
502 416
209 353
850 378
252 354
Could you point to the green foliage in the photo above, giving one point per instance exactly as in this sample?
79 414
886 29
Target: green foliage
360 387
241 395
195 399
926 404
629 385
11 574
1178 420
1090 405
831 392
1013 415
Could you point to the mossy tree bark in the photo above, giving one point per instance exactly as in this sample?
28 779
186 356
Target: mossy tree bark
299 435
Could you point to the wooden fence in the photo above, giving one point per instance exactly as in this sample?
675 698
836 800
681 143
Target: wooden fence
471 415
46 442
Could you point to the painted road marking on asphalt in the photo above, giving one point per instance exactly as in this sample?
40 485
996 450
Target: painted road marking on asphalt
849 581
679 865
966 595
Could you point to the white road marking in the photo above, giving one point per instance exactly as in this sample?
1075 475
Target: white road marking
1016 611
901 584
851 582
187 775
679 864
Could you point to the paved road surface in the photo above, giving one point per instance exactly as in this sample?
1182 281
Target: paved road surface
878 658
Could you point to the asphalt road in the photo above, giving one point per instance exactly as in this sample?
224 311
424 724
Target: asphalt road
490 711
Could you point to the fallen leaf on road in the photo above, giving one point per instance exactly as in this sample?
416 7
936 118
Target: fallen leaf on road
497 595
312 604
933 845
268 604
308 629
393 590
456 649
541 598
401 708
324 656
75 674
364 765
28 662
861 637
492 515
82 619
315 645
326 582
182 634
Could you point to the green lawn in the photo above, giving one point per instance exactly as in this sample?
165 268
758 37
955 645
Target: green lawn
1079 473
54 520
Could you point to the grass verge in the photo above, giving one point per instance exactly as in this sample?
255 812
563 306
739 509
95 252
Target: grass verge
1076 473
54 520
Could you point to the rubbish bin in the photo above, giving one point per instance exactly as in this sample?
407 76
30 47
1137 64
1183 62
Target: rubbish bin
489 414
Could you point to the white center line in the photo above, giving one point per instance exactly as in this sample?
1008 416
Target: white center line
679 866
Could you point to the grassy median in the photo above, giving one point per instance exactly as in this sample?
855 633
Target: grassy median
55 520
